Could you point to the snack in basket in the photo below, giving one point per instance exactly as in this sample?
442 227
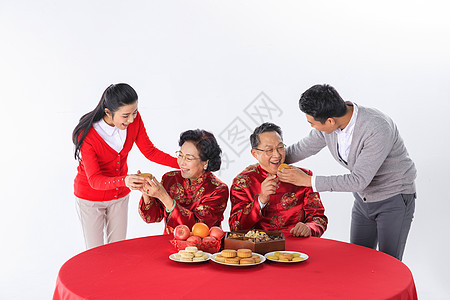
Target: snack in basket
257 235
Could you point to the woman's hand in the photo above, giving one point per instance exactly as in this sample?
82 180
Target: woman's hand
153 188
294 176
134 181
301 229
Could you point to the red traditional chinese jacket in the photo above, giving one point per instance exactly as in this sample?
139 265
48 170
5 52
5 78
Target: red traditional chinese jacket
288 206
201 200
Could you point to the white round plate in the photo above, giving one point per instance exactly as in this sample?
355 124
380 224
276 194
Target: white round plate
172 257
302 255
262 259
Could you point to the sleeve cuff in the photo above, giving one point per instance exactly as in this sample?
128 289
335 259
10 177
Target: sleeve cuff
148 205
313 182
262 205
173 207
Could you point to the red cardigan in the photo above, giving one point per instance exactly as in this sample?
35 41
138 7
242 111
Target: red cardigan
102 170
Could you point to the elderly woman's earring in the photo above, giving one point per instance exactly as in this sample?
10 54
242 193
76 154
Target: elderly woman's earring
205 167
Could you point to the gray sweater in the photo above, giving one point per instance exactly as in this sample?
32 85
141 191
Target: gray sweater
379 164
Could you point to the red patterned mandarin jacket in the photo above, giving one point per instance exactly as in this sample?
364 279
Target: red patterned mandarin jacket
288 206
201 200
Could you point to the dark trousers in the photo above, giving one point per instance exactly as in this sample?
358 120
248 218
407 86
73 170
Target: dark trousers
385 223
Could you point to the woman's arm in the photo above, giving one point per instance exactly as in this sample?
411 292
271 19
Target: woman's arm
97 180
149 150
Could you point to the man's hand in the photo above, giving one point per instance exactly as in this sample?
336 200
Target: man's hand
294 176
268 187
301 229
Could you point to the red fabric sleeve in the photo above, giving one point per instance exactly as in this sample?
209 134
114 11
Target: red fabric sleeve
150 151
315 217
94 173
245 209
153 212
209 210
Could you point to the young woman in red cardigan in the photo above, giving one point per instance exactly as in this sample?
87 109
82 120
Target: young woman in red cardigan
103 138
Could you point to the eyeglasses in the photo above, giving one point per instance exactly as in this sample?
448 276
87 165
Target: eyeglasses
269 152
187 157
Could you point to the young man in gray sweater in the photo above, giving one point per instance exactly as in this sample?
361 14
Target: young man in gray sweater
368 144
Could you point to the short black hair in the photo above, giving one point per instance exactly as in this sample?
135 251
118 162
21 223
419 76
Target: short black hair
322 101
264 127
207 146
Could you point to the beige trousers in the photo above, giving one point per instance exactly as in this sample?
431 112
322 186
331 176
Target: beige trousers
103 221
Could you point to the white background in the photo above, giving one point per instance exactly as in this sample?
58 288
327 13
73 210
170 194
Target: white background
198 64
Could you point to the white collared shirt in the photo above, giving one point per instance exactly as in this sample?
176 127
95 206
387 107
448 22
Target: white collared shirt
344 137
113 136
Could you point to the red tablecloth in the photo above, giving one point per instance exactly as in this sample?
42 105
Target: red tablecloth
141 269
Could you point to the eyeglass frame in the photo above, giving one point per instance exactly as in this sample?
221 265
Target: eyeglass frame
269 153
179 155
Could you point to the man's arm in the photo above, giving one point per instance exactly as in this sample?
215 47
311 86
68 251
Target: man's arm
306 147
315 217
245 209
377 146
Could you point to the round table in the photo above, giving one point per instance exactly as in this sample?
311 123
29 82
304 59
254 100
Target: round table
141 269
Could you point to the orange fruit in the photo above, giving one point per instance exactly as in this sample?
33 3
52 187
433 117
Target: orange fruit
200 229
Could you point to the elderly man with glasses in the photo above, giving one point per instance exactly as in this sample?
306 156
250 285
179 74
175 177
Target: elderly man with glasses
261 201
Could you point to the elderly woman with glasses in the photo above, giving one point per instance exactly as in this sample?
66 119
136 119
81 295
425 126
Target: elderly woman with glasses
261 201
192 194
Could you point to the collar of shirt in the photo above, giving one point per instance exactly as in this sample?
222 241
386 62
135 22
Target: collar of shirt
194 183
113 136
348 130
261 171
109 130
345 136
